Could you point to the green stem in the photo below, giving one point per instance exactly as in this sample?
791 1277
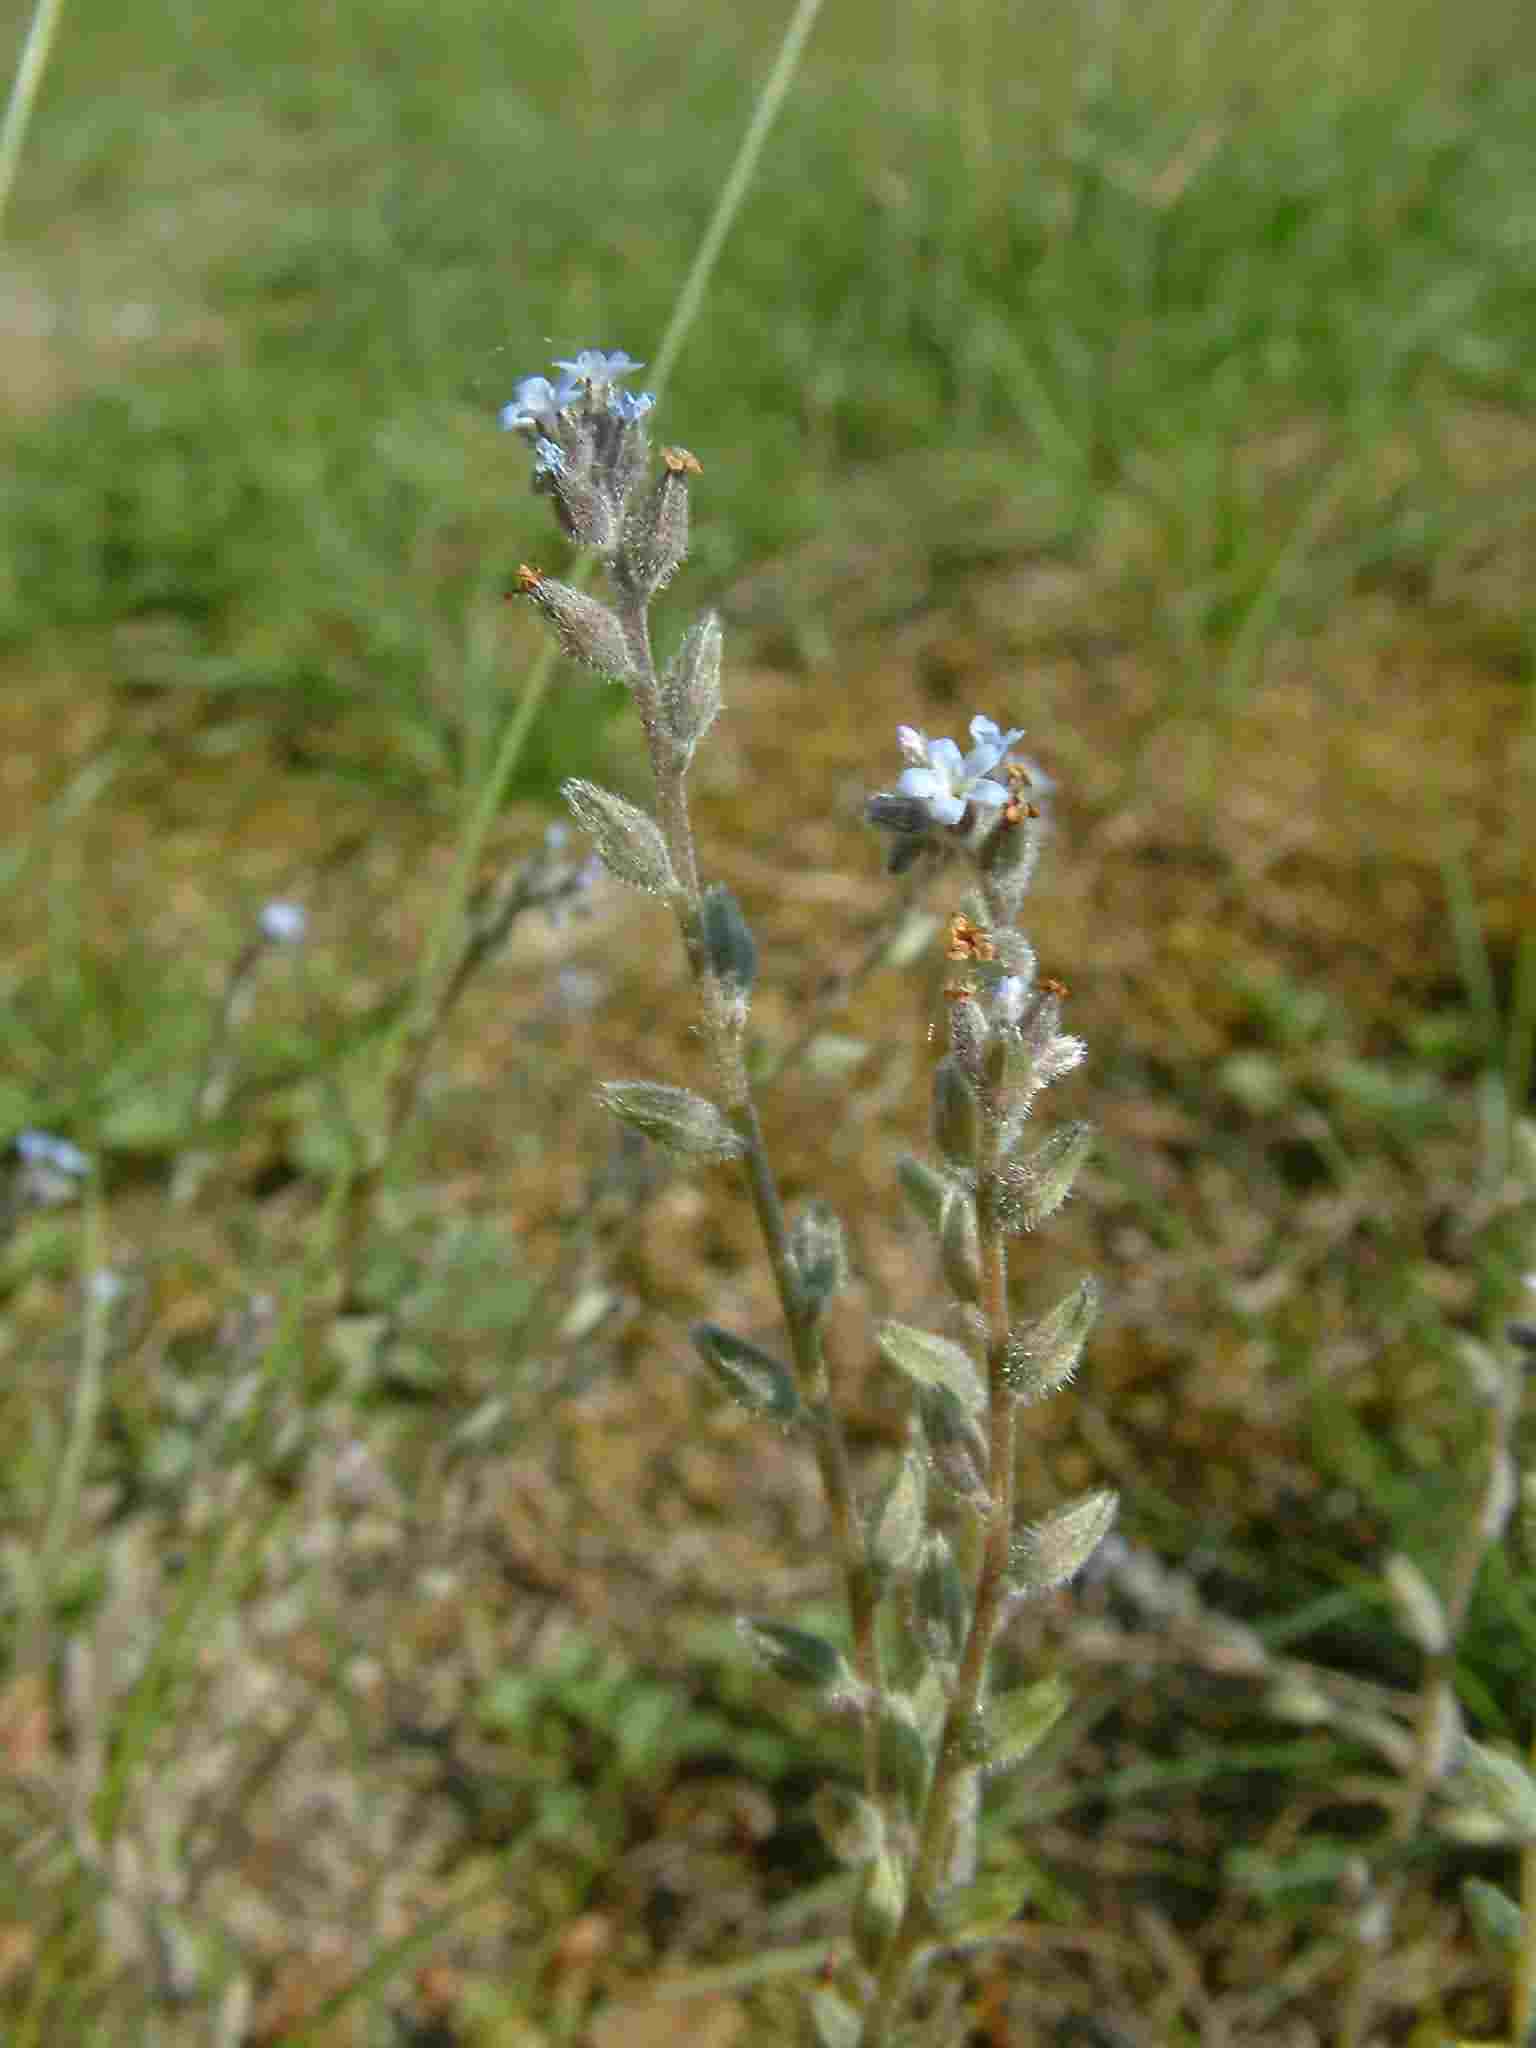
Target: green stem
24 90
722 1034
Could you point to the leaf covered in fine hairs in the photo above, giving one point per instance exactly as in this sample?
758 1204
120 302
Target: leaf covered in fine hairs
674 1117
628 842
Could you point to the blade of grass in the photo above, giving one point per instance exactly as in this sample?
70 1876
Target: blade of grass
25 86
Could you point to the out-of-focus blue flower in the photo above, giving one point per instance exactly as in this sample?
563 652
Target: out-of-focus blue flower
536 405
630 406
1008 1001
944 781
42 1149
284 924
549 458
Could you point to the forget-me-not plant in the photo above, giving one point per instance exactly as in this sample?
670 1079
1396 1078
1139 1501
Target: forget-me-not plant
934 1557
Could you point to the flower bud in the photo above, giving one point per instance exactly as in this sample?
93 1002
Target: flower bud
690 689
586 629
728 940
656 533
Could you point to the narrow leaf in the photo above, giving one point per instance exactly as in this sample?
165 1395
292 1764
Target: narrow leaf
896 1532
852 1827
837 2024
820 1254
878 1908
628 841
1056 1548
1496 1919
674 1117
1417 1604
1031 1189
754 1379
690 690
978 1911
798 1656
1043 1356
1500 1786
1016 1723
926 1190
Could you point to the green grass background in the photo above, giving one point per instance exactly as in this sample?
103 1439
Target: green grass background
1226 313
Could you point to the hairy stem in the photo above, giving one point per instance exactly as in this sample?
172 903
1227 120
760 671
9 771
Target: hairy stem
955 1762
800 1318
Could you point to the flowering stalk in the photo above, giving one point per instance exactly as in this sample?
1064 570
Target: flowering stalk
935 1567
590 457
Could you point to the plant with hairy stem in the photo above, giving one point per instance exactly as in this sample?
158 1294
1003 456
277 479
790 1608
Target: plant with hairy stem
934 1563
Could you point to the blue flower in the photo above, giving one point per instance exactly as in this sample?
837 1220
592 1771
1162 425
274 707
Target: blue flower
549 458
283 924
630 406
597 366
536 405
41 1148
944 781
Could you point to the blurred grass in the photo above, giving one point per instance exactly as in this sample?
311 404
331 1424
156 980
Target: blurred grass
1162 378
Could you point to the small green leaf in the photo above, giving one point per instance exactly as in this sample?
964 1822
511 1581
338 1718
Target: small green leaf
878 1908
850 1825
1016 1723
799 1657
982 1909
837 2024
754 1379
1042 1356
896 1530
1496 1919
927 1190
1057 1547
674 1117
932 1362
1417 1604
820 1254
628 841
906 1759
1030 1189
956 1114
943 1607
1494 1786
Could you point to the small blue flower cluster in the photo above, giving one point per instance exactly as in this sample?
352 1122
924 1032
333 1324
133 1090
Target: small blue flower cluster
537 404
48 1171
56 1155
588 440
